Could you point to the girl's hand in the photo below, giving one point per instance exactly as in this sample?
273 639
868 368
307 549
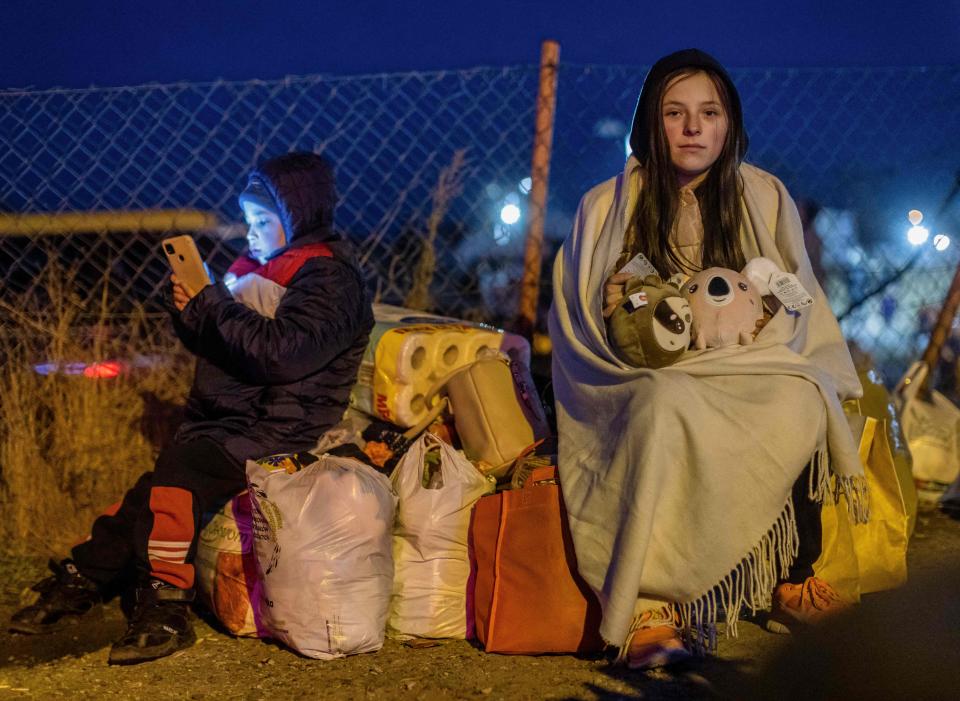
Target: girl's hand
613 292
182 293
760 324
771 305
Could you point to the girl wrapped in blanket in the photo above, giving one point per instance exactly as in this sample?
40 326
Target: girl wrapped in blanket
693 489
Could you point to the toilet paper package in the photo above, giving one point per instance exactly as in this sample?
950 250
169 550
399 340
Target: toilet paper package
408 352
400 366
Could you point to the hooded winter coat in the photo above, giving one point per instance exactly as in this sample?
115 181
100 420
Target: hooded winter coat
278 351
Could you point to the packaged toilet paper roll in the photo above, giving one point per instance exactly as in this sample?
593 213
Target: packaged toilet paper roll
478 341
413 357
404 352
401 404
408 351
449 352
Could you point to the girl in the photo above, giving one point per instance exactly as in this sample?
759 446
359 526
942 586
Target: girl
681 484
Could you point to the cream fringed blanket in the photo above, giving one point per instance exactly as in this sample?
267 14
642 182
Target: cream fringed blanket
678 481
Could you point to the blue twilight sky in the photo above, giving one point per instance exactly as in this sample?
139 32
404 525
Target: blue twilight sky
78 43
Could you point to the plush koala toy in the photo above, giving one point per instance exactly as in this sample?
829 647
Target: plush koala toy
650 328
726 307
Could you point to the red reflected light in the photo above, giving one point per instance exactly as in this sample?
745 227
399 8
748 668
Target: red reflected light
108 368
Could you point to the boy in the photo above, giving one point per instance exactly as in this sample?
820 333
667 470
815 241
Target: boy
278 345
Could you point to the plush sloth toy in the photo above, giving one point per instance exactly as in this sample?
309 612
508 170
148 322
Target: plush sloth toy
650 328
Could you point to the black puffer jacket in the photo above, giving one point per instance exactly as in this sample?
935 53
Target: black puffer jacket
267 385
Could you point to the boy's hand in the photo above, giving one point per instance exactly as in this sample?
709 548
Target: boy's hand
182 293
613 292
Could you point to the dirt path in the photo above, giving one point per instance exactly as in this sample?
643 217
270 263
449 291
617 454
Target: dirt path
72 664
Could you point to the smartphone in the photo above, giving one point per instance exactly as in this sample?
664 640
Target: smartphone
185 261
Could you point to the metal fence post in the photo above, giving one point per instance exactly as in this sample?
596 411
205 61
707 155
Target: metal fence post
539 175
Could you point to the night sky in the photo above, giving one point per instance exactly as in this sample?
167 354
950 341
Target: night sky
48 43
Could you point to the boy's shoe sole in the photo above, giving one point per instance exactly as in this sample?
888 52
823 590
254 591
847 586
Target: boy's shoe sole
132 654
62 600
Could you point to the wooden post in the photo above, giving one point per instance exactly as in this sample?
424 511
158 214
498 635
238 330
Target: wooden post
948 312
539 176
941 329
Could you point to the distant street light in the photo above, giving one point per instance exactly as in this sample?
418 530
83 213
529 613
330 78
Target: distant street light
510 214
917 235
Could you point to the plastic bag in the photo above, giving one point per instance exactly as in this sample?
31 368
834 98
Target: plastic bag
868 557
932 429
227 569
879 403
430 539
322 540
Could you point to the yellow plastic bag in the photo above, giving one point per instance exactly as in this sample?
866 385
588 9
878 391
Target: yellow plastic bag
837 563
879 547
878 403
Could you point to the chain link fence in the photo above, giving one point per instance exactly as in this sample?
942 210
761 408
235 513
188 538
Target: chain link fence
431 170
857 148
91 180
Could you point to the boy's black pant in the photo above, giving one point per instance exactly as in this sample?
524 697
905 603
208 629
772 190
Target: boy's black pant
155 528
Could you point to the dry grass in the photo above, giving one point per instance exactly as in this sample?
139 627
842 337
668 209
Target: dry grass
449 186
71 445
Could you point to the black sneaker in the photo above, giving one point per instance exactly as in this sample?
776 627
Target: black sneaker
65 598
160 625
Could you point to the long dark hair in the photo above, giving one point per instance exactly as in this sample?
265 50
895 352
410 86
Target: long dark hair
718 195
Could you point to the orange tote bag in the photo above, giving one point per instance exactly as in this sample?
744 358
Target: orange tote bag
528 598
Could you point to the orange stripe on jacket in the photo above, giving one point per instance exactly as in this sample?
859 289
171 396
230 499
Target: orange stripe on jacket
172 509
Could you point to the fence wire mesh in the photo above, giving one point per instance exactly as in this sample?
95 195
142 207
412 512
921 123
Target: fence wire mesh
858 148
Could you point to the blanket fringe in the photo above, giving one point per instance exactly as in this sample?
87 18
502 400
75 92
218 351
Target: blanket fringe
824 484
818 489
857 492
752 581
750 584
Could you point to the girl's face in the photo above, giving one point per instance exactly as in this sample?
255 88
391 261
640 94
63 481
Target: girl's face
695 124
265 235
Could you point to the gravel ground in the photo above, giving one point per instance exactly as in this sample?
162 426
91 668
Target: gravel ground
73 663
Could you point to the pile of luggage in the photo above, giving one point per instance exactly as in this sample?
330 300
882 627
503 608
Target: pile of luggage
432 511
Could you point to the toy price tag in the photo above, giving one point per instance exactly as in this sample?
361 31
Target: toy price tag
638 300
638 265
787 288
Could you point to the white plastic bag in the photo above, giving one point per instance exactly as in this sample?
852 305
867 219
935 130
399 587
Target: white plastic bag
322 541
932 429
430 540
